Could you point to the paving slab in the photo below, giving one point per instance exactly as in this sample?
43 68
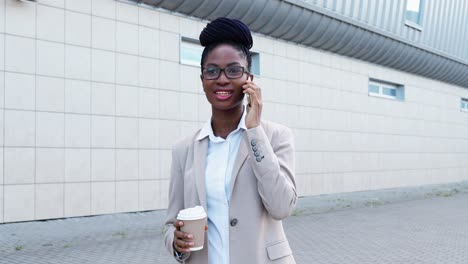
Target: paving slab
427 224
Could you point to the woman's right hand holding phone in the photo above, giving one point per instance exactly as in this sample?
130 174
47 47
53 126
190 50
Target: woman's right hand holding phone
254 106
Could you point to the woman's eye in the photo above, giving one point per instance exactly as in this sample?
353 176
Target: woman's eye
234 70
212 70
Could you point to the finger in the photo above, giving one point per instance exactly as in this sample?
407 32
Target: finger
254 87
178 224
251 100
183 244
249 84
183 235
259 91
253 96
181 250
179 234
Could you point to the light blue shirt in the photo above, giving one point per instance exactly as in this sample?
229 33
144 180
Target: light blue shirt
220 159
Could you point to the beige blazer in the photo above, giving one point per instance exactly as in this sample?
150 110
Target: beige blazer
263 192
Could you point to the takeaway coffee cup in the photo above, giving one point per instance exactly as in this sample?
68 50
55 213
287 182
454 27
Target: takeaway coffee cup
194 223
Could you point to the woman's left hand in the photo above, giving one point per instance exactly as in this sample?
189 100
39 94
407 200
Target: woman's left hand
254 108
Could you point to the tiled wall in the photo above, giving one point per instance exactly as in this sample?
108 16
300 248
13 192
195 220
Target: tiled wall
93 96
347 140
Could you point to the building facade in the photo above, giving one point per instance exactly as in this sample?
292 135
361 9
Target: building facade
93 93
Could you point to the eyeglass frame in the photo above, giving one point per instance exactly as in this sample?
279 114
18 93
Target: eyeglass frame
244 70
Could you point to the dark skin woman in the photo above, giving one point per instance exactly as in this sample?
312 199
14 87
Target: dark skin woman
238 167
226 97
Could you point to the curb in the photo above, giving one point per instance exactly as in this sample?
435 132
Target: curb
341 201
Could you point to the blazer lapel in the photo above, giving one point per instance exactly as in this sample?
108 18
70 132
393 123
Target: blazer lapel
199 159
241 156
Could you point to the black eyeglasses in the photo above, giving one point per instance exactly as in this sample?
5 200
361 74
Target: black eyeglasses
231 72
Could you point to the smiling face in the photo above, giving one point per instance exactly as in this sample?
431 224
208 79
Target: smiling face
224 93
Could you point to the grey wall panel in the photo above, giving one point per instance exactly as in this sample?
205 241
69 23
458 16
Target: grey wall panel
171 4
312 21
431 11
446 30
462 50
324 27
256 7
397 15
288 22
444 22
205 10
221 9
188 6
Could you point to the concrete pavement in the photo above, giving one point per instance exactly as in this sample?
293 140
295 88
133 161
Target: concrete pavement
411 225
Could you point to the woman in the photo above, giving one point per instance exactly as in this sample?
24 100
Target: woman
239 167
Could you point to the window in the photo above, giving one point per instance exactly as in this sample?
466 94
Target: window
255 67
389 91
191 51
386 90
413 13
464 105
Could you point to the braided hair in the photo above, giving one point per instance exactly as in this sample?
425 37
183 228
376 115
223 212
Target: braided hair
227 31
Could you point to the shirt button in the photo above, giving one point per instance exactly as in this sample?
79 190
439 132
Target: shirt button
234 222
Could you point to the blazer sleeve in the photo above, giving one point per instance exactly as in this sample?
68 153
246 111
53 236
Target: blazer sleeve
176 203
273 165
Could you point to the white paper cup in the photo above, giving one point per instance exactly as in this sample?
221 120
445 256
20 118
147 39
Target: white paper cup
194 223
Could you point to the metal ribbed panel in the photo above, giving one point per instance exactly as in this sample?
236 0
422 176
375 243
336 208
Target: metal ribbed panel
294 20
461 49
444 22
187 7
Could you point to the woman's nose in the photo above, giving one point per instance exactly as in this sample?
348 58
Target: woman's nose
222 77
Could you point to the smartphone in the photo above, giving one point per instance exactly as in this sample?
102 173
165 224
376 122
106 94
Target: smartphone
248 96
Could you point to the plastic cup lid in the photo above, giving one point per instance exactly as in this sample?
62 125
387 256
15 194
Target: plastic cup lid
193 213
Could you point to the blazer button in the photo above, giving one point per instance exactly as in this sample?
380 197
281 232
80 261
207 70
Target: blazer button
234 222
254 148
256 153
253 142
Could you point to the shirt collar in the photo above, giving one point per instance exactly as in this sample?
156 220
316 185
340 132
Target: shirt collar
207 130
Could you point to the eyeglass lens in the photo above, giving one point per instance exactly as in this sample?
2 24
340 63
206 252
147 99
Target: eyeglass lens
232 72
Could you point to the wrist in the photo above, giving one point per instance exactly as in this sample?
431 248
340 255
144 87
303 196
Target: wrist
179 255
250 125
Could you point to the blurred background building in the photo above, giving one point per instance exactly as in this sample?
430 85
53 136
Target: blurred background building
93 93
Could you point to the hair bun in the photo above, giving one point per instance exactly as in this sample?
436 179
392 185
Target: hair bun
226 30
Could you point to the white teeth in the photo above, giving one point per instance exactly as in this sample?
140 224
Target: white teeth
223 93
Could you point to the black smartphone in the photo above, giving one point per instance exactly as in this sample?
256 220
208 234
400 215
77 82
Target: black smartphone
248 97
